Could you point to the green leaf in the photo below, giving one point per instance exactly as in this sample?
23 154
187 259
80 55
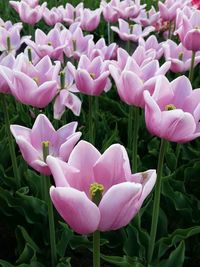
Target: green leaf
66 235
176 257
124 261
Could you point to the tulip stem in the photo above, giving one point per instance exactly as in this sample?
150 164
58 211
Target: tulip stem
96 249
130 127
156 203
10 141
135 139
90 119
47 185
108 28
191 73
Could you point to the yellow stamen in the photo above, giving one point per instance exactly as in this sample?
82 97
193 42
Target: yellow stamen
170 107
96 191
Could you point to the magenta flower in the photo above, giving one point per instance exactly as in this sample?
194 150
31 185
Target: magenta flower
189 31
51 44
133 32
170 116
179 56
131 79
27 13
87 170
32 85
91 76
30 142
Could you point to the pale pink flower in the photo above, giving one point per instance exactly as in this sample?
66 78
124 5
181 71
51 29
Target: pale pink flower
30 142
122 192
173 110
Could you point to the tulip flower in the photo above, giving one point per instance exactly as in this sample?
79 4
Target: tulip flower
98 192
109 13
7 61
132 33
66 97
147 18
131 79
179 56
152 44
51 44
189 31
52 16
32 85
168 9
30 142
170 116
27 13
71 14
91 76
89 19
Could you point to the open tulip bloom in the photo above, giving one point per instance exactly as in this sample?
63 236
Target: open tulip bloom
98 192
170 116
30 141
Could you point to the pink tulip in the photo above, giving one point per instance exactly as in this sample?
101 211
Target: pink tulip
52 16
29 14
131 79
109 13
66 97
147 18
179 56
71 14
170 116
152 44
51 44
32 85
168 9
91 76
132 33
90 19
101 49
189 31
7 61
30 142
122 193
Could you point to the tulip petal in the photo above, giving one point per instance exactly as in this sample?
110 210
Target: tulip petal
76 209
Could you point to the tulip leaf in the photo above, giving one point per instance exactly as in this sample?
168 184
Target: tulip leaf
176 257
65 237
124 261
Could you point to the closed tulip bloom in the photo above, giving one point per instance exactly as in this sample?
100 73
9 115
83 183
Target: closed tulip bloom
98 192
173 110
179 56
30 142
91 76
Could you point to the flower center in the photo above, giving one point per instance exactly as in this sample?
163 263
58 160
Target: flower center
92 75
170 107
45 149
49 43
36 79
96 191
180 56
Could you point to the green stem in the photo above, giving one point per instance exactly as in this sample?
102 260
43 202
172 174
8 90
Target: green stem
191 73
51 222
10 141
130 127
96 249
170 30
156 203
177 153
108 28
135 139
90 119
46 187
